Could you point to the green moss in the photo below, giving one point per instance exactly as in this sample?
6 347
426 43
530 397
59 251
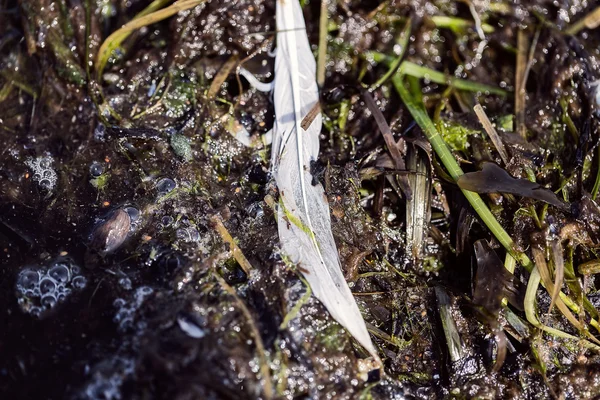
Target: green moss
180 98
505 123
181 147
66 64
100 182
432 264
455 135
333 338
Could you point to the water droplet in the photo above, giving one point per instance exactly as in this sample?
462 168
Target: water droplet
28 279
79 282
96 169
167 220
60 273
165 185
100 132
48 301
118 303
47 285
134 213
145 290
125 283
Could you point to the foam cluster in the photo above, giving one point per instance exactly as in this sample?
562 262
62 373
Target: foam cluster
43 173
40 289
125 315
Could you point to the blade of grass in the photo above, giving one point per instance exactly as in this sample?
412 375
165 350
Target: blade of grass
491 131
395 148
322 52
265 370
591 267
394 65
453 340
530 295
590 21
421 72
522 45
418 206
146 17
5 91
296 308
458 24
14 79
418 71
542 268
596 187
509 263
227 238
559 269
222 76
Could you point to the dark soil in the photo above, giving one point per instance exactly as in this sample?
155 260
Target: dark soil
114 279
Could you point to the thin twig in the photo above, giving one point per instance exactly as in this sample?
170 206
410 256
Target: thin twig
260 348
590 21
227 238
491 131
322 54
393 147
222 76
522 44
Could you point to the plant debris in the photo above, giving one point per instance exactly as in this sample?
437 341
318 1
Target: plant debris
141 211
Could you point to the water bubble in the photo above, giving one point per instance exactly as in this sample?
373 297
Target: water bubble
45 184
100 132
118 303
47 285
79 282
134 213
28 279
48 301
125 283
42 172
167 220
35 311
165 185
188 234
96 169
60 273
41 288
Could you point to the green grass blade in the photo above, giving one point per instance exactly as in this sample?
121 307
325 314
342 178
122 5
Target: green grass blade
394 65
146 17
421 72
458 24
530 314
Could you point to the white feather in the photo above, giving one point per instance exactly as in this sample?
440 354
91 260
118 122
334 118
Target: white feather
303 217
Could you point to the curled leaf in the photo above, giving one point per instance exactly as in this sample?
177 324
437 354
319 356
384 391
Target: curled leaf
493 179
